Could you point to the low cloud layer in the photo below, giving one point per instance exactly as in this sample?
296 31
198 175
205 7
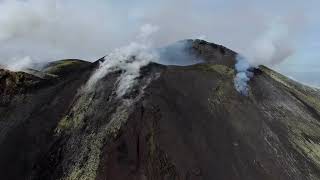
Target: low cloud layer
46 30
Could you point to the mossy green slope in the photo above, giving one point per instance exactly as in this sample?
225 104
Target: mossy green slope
64 66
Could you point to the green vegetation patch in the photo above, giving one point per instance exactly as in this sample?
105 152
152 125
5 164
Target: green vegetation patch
76 116
60 67
221 69
89 157
305 139
64 123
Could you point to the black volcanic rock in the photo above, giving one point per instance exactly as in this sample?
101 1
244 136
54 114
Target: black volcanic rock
213 53
176 123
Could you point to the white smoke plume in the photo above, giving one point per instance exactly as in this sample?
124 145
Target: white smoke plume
19 64
243 75
272 47
131 58
128 60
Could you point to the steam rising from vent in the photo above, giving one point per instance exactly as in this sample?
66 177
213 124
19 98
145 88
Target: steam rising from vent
20 64
178 54
272 47
128 60
243 75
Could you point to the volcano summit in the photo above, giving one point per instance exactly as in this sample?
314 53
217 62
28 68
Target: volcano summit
155 121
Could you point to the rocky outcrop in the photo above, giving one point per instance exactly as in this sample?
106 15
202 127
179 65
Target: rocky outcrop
175 123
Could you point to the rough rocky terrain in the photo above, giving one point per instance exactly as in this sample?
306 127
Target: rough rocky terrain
178 122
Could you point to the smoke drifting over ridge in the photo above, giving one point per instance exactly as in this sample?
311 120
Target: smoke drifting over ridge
47 30
272 47
128 59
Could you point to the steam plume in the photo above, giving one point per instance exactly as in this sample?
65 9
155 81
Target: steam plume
128 59
20 64
272 47
243 75
177 54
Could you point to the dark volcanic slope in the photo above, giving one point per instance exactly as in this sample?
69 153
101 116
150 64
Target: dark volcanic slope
176 123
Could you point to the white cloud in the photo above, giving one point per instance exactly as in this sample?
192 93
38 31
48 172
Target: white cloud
56 29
